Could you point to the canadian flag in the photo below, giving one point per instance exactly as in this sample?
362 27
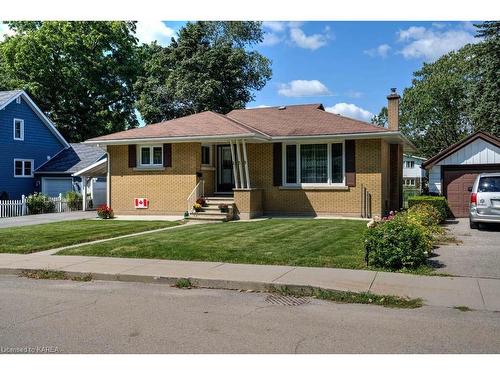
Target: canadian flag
141 203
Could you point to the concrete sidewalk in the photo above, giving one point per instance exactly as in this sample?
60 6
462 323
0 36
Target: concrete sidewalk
475 293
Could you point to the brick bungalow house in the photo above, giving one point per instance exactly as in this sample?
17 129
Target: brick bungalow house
289 160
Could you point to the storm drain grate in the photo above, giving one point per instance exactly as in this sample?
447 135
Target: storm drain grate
275 299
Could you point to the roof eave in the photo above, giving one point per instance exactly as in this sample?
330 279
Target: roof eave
208 138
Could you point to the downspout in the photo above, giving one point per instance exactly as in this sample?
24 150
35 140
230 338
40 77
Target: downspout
108 180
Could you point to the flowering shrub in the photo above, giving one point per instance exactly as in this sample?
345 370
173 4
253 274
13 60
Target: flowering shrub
398 243
197 207
378 220
105 212
39 203
440 203
425 214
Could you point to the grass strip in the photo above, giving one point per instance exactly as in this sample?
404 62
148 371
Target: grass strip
366 298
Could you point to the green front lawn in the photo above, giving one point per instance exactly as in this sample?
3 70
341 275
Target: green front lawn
32 238
295 242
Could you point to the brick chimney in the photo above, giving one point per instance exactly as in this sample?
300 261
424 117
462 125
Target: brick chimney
393 110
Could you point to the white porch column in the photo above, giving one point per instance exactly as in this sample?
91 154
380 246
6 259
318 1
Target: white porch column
245 161
84 193
236 181
240 166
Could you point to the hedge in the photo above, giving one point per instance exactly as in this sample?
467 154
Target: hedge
440 203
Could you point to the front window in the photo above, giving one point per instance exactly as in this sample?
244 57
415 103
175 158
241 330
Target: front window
151 156
206 152
314 164
23 168
409 182
410 164
18 129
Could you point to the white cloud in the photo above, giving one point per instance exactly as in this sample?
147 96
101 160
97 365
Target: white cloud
350 110
149 31
259 106
311 42
276 26
5 30
277 31
380 51
301 88
271 39
430 44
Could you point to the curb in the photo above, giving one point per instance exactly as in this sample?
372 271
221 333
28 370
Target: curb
254 286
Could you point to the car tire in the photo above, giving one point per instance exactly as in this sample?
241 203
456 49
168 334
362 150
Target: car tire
473 225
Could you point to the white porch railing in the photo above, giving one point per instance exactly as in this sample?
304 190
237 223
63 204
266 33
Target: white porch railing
198 191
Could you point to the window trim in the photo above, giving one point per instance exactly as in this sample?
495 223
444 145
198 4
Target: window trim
151 165
14 129
18 100
211 156
409 179
408 163
299 184
23 168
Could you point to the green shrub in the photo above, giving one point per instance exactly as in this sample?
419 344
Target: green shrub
440 203
39 203
426 214
74 200
398 243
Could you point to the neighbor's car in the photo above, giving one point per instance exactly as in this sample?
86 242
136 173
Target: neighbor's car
484 204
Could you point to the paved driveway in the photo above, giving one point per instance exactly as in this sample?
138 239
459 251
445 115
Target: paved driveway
45 218
478 255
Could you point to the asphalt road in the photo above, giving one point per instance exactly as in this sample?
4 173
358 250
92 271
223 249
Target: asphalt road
119 317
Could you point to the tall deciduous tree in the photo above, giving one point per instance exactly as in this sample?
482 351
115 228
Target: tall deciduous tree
80 73
382 118
454 96
210 66
485 93
434 110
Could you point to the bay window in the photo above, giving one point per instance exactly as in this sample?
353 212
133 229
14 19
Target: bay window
314 164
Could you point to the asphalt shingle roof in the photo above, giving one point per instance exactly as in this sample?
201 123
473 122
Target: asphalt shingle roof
73 159
289 121
5 96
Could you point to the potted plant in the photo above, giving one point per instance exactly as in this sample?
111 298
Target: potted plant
223 208
197 207
202 202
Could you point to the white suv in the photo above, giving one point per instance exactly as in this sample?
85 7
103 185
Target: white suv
484 204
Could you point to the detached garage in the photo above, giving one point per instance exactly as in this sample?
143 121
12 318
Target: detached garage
453 171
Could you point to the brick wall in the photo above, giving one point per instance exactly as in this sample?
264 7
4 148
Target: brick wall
321 202
167 190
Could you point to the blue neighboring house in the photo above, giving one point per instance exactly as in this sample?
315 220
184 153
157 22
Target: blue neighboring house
28 139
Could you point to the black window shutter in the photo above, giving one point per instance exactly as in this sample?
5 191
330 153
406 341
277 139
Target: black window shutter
132 156
350 162
167 154
277 164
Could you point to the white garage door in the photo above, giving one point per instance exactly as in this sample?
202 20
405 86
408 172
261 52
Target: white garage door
53 186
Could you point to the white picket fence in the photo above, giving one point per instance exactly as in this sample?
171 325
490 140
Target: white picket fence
18 207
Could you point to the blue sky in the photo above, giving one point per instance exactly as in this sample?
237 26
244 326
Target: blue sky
347 66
